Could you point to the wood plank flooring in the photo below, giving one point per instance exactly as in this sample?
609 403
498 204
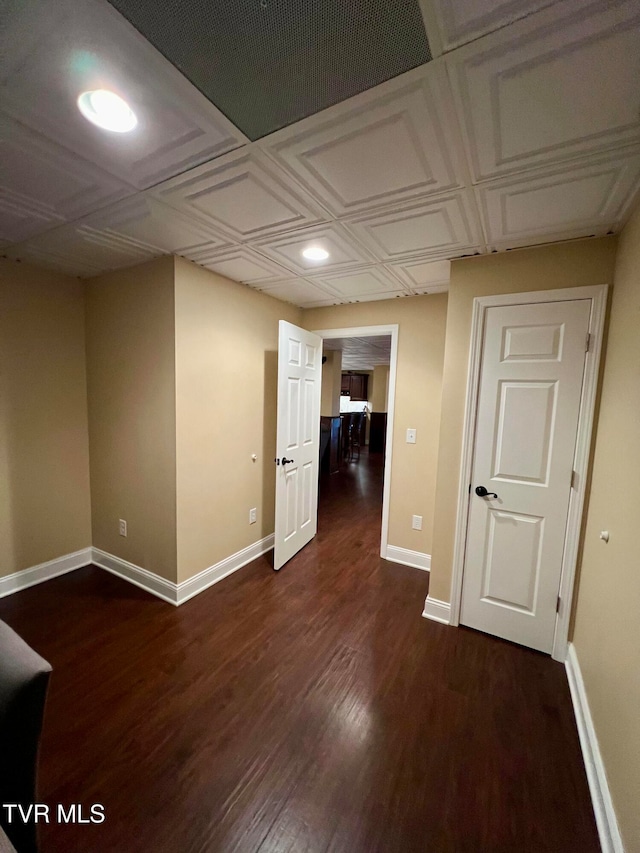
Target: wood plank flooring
308 710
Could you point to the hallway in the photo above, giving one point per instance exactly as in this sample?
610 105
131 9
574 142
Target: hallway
310 710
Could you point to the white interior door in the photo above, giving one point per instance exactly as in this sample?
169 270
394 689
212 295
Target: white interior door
298 440
530 388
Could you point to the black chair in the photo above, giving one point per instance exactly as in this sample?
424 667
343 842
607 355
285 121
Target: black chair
24 679
345 419
355 432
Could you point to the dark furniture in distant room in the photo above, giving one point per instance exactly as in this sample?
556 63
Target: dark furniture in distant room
330 445
378 432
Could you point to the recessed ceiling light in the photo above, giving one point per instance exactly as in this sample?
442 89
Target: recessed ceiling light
315 253
107 110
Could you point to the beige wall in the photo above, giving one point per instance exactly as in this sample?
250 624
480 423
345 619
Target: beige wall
607 626
226 385
132 422
421 321
45 509
331 379
380 388
574 264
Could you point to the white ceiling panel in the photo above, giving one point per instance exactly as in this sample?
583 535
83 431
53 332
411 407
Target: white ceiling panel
438 228
344 251
560 203
378 295
300 292
421 277
551 87
22 217
466 20
241 263
54 51
526 131
361 353
81 251
144 220
43 185
243 195
358 283
387 145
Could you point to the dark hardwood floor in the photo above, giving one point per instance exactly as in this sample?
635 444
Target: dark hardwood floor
308 710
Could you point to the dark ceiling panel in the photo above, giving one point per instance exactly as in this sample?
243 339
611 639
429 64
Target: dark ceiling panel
268 63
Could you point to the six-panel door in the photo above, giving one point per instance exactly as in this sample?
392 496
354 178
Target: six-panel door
298 435
528 407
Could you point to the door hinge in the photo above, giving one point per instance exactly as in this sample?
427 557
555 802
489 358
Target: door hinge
558 604
587 345
574 477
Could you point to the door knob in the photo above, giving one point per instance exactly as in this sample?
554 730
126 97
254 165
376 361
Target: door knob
481 492
285 460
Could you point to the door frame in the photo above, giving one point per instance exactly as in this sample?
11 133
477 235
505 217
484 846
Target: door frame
597 294
370 332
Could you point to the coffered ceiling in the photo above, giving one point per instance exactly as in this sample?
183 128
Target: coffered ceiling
523 129
361 353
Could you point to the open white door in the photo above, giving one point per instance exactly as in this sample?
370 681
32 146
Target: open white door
298 440
533 359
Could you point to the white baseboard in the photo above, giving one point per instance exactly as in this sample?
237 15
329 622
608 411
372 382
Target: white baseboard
606 821
438 611
44 572
164 589
415 559
206 578
173 593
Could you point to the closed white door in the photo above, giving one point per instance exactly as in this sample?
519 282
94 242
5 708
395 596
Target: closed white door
531 378
298 440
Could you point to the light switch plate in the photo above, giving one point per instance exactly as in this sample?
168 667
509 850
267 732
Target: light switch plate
411 436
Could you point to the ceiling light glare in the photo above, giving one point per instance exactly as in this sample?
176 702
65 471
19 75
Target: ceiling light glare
107 110
315 253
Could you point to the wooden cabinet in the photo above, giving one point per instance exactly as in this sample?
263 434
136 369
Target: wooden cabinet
355 385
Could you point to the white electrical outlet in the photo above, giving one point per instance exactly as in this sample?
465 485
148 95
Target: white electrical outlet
122 527
253 515
411 436
417 522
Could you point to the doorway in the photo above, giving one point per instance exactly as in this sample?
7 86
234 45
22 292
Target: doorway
361 349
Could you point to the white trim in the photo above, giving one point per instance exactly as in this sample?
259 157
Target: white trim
173 593
367 332
581 467
415 559
44 572
437 611
206 578
164 589
598 296
606 821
